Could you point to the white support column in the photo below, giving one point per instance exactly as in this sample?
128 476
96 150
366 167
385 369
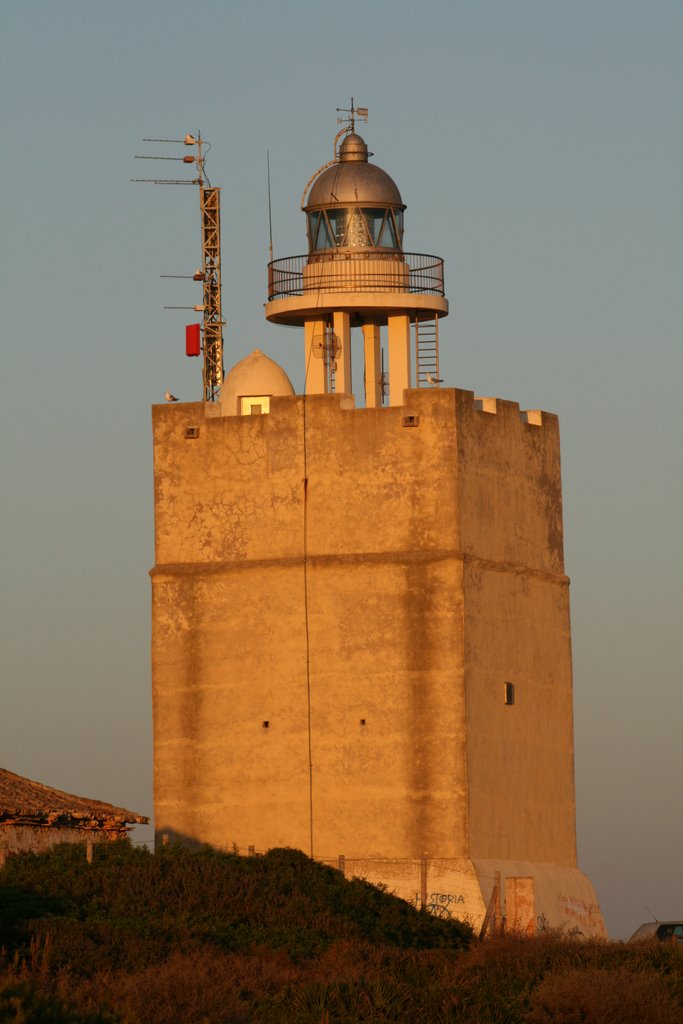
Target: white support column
399 357
341 324
315 381
373 366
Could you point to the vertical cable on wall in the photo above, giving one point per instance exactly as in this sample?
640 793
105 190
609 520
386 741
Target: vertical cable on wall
306 622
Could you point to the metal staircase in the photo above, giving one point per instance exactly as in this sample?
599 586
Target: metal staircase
426 352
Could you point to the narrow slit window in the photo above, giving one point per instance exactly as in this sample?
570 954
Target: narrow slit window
509 693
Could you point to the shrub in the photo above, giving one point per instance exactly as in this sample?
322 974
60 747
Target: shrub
601 996
210 938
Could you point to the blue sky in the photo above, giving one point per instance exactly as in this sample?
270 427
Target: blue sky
537 146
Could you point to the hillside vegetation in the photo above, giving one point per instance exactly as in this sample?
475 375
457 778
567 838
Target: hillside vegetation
210 938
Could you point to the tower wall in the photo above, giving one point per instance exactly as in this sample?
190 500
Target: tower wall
365 582
520 757
309 553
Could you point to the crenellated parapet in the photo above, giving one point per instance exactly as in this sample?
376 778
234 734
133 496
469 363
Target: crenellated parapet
392 464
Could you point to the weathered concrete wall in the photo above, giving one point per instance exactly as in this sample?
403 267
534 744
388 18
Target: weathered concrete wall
387 710
565 900
339 597
323 597
227 657
556 898
520 757
509 485
232 494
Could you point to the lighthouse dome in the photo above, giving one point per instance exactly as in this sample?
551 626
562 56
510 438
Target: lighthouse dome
353 180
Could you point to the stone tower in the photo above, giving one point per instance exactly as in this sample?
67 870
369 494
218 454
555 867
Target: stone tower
361 641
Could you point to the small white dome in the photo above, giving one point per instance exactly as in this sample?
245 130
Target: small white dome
254 376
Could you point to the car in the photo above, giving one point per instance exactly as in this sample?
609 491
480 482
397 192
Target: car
662 931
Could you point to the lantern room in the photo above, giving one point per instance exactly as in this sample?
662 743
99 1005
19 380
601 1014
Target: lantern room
356 274
354 206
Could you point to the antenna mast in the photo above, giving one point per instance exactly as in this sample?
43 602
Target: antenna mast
210 271
210 207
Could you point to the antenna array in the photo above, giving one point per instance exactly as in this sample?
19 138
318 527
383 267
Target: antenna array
210 272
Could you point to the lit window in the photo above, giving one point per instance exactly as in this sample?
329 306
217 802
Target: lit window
356 231
355 228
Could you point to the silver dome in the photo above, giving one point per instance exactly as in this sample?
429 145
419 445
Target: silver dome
353 181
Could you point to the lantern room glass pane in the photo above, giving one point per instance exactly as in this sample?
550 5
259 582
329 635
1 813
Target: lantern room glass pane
338 219
355 228
356 231
323 238
388 239
374 219
312 228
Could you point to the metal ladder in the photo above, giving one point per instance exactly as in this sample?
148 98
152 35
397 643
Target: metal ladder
426 351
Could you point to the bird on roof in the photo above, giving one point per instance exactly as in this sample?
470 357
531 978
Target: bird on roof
434 381
169 397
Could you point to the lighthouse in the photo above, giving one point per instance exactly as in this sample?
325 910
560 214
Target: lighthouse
360 624
356 274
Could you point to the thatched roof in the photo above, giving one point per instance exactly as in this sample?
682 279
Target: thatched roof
24 802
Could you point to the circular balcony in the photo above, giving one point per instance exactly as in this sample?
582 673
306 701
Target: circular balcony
369 285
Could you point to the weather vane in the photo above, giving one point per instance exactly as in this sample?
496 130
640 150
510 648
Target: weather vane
348 124
354 112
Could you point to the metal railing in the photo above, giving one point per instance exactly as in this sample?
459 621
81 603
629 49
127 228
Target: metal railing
356 272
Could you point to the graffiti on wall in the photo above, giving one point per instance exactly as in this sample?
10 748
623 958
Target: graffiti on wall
441 904
580 914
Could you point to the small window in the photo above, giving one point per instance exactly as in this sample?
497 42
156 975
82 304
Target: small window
254 405
266 724
509 693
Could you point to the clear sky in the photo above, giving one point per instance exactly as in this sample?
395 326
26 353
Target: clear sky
537 146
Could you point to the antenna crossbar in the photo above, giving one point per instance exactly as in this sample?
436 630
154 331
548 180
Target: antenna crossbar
169 181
